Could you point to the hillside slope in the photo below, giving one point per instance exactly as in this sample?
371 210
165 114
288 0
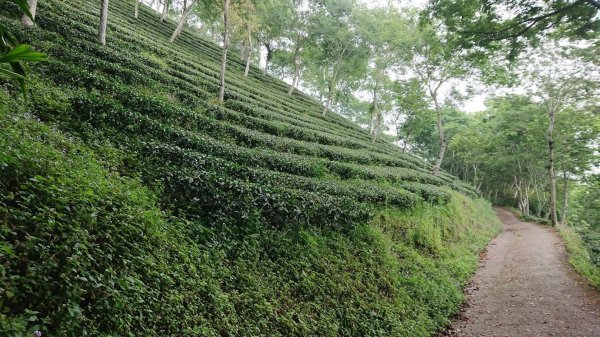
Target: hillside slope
134 204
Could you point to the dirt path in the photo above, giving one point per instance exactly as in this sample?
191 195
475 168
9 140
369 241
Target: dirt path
526 287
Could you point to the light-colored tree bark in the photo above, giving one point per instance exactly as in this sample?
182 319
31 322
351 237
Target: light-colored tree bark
136 9
103 22
377 117
25 20
182 21
565 208
225 48
296 64
551 159
165 10
440 128
249 53
243 50
333 81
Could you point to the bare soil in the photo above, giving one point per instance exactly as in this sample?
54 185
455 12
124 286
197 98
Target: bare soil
526 287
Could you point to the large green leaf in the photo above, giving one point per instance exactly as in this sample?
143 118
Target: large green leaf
22 52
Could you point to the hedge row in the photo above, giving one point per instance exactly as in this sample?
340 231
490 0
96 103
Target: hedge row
360 191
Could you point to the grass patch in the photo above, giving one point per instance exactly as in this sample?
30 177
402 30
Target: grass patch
579 256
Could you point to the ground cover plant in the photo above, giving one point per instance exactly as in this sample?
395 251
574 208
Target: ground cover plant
132 203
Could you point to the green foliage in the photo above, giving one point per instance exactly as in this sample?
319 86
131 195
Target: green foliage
580 257
130 204
68 221
14 54
586 218
484 23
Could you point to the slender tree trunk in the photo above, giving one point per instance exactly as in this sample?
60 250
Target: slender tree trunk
330 89
136 9
225 48
551 172
296 66
25 20
376 112
243 50
269 55
527 200
165 10
182 21
565 209
332 81
249 55
405 145
440 128
103 22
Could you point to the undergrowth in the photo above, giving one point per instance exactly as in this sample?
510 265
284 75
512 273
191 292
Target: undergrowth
86 251
579 256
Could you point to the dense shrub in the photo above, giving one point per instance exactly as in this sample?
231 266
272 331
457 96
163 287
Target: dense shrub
133 204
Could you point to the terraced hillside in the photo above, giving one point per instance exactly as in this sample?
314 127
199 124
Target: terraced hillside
135 204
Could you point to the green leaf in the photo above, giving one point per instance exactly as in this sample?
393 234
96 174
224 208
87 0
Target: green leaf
24 7
22 52
11 74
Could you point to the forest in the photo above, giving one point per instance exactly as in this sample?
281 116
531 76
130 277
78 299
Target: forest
284 167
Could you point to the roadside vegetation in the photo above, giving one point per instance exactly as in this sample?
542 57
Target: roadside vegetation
157 178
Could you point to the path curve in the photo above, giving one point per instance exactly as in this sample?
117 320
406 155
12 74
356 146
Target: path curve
526 287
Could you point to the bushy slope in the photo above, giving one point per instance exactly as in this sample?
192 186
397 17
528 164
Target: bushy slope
164 213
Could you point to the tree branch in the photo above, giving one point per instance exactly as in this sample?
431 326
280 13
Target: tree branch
594 3
532 21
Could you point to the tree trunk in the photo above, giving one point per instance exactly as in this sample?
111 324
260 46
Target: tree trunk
243 50
551 172
296 66
182 21
330 89
405 145
269 55
25 20
249 54
165 10
332 81
136 9
377 124
225 48
103 23
565 208
440 127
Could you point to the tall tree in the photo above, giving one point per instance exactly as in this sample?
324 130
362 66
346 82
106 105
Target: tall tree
226 4
437 62
338 51
244 19
412 114
165 10
387 34
187 8
136 8
578 129
103 22
276 17
558 82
